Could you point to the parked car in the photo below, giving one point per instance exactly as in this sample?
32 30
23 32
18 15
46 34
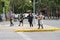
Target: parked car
1 18
25 15
16 16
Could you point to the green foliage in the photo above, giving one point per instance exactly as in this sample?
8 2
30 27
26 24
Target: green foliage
25 5
51 4
0 7
22 5
6 7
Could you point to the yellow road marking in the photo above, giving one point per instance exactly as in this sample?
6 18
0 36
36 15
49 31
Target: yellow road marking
38 30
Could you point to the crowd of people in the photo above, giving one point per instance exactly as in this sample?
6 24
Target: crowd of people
30 19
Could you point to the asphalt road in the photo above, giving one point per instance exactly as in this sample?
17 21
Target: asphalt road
30 36
43 35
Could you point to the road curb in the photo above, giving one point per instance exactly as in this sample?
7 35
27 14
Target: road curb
38 30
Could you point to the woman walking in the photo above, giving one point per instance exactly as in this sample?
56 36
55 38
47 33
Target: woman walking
30 19
11 18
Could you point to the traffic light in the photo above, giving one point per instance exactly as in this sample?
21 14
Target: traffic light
3 4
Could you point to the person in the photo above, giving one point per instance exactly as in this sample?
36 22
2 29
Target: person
40 20
20 18
11 18
30 19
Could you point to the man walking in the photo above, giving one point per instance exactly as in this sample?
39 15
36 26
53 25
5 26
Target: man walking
21 18
40 18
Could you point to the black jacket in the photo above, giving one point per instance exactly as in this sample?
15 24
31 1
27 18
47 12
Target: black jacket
30 18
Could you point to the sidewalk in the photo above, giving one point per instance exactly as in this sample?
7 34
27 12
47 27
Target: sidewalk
27 28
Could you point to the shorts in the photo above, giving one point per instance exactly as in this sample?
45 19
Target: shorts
40 22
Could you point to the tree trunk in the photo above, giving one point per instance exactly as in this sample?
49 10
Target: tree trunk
5 14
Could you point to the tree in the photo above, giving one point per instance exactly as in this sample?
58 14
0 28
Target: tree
5 4
51 5
1 10
21 6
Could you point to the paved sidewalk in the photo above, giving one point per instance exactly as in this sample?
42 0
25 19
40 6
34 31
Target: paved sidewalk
25 27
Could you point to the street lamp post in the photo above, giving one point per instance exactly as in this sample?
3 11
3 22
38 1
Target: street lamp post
34 10
33 1
34 6
39 1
